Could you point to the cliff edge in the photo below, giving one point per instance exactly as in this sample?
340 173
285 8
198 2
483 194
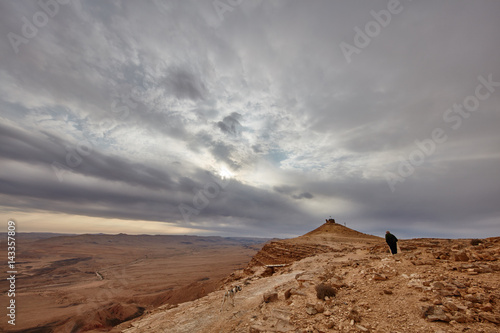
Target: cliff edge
349 282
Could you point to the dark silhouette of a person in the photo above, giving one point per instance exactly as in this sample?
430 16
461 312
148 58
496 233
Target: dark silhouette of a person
392 241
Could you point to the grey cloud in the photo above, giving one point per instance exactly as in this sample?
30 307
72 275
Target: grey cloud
257 148
230 124
46 149
128 190
285 189
184 84
256 208
224 152
292 192
303 195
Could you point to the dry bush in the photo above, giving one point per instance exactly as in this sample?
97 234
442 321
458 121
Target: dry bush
475 241
323 290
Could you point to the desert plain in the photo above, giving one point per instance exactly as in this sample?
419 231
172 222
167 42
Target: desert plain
83 282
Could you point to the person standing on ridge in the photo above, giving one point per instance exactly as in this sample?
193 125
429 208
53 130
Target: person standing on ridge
392 241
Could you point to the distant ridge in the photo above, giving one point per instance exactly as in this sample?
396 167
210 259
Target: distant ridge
125 239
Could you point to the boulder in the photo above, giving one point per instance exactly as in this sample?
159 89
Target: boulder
311 309
434 313
379 277
320 308
490 317
478 298
293 291
461 256
270 297
450 306
460 318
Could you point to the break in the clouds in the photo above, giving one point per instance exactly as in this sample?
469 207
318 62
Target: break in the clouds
252 117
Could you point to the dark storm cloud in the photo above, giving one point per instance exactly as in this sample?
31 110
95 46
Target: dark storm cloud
303 195
117 188
44 149
184 84
455 197
230 124
293 192
248 208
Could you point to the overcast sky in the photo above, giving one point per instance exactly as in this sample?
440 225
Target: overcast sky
246 117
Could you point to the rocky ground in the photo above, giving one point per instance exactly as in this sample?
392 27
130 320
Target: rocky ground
349 283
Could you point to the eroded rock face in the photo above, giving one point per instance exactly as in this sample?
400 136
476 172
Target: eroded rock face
423 289
494 318
281 252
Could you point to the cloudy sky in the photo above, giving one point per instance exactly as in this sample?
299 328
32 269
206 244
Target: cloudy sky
248 117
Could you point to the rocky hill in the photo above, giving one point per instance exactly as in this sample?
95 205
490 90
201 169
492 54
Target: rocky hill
336 232
330 237
335 279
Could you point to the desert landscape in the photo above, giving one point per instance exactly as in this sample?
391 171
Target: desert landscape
332 279
79 283
335 279
232 166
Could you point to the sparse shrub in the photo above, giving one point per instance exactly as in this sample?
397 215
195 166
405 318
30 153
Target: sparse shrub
475 242
323 290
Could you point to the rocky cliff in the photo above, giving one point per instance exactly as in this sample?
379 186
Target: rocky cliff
335 279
